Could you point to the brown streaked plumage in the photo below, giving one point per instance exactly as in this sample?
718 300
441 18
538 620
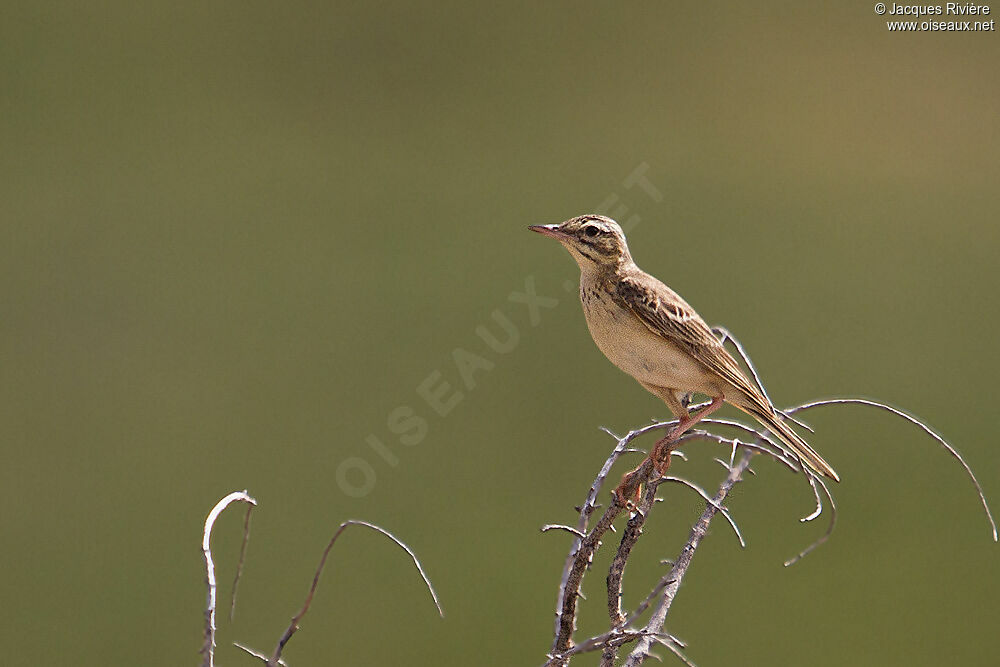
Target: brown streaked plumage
650 332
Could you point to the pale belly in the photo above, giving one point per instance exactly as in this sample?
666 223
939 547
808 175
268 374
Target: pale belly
632 347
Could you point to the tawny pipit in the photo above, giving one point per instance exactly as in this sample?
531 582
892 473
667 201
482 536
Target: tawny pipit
644 328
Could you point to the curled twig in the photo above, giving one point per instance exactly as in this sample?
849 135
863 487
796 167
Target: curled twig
208 647
924 427
814 480
819 500
275 658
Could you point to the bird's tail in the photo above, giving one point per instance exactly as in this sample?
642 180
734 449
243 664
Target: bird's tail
792 439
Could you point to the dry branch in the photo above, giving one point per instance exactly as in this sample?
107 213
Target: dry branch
585 544
588 539
581 554
208 647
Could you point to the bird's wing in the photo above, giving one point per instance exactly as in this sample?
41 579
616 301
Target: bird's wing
667 315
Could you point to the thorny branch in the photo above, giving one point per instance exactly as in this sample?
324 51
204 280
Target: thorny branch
676 575
588 539
586 543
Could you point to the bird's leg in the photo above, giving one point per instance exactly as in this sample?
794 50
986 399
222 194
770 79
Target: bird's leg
659 455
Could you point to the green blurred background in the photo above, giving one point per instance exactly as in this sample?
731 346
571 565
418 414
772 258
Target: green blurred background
238 236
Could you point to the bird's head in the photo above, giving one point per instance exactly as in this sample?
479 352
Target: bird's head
596 243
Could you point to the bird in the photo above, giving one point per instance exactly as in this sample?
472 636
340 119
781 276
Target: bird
647 330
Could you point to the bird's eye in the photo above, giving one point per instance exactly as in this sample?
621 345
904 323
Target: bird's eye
591 231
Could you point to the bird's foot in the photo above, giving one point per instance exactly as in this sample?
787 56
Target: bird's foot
660 454
629 490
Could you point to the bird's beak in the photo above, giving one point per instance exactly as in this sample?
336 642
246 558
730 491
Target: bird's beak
551 231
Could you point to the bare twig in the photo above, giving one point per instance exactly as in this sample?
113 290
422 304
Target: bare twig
275 658
644 605
258 655
724 335
671 645
774 444
704 495
208 647
239 564
612 638
556 526
758 447
924 427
